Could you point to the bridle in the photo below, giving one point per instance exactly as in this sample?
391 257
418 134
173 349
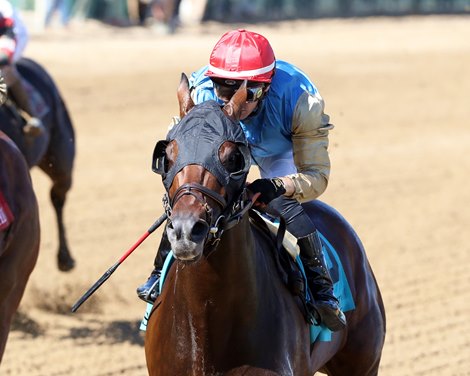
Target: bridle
230 216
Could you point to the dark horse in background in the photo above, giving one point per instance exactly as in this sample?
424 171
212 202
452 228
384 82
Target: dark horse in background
224 308
19 232
54 151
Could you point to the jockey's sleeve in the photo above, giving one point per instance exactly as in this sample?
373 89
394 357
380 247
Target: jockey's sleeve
310 127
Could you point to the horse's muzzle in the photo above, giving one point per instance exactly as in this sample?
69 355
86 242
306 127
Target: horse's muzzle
187 235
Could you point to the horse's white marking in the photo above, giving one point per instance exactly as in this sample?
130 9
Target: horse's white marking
288 367
197 355
192 333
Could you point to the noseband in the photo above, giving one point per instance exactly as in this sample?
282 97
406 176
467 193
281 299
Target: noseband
193 189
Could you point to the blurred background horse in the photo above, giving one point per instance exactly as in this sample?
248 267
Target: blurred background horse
19 232
224 304
54 150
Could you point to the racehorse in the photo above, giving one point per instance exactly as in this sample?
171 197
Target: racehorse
19 232
54 150
223 305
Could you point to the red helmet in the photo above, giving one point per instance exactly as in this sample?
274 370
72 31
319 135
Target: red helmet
242 55
5 22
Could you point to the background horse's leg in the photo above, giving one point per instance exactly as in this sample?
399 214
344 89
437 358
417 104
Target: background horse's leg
58 165
60 172
58 196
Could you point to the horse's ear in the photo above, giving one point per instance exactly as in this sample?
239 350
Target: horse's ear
233 108
184 96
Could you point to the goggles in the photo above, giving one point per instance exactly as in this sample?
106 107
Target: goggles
227 88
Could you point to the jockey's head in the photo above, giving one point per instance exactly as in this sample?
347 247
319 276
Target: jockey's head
242 55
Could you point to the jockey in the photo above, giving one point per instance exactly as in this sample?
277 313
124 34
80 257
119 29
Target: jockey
287 129
13 40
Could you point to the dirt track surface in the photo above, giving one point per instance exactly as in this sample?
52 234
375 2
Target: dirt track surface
397 91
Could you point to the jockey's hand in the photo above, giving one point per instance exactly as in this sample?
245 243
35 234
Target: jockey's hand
269 189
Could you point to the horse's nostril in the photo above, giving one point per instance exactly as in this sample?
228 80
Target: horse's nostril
199 231
175 227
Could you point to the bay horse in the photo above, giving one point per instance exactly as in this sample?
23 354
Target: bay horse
224 307
53 151
19 232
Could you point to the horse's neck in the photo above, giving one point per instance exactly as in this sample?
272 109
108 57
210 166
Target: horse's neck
228 300
216 295
223 285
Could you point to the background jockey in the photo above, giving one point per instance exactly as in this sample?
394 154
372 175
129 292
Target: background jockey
287 129
13 41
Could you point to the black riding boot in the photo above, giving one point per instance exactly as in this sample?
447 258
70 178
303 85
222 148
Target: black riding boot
148 291
319 281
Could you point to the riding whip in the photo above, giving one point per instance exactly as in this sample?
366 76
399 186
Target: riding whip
113 268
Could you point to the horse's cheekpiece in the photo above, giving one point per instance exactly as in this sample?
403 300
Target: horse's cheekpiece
202 130
6 216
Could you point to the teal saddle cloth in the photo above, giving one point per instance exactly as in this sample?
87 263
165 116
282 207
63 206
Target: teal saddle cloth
340 284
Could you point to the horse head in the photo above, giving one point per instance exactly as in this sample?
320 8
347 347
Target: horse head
204 162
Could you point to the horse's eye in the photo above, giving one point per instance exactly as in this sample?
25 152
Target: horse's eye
171 152
163 157
235 162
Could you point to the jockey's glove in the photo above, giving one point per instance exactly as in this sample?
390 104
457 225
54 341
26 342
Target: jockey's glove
269 189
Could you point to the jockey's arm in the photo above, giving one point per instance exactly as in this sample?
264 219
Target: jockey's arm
310 127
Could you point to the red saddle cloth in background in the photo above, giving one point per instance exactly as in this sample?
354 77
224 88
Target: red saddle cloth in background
6 216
